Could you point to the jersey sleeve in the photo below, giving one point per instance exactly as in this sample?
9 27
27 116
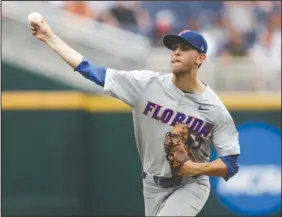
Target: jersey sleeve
127 85
225 137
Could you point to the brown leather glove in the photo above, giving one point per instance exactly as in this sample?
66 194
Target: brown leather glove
176 148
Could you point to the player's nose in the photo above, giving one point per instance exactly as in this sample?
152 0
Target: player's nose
177 51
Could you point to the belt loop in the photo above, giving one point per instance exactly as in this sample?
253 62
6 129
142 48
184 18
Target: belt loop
158 182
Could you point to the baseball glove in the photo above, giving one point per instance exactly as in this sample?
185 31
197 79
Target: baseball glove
176 147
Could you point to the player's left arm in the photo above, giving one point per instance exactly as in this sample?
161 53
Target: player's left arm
226 141
225 166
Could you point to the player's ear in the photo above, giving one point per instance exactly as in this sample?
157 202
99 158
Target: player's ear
201 58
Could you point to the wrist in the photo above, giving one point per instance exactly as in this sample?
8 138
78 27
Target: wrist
51 40
194 169
200 168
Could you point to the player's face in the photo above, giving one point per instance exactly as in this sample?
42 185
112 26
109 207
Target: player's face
185 58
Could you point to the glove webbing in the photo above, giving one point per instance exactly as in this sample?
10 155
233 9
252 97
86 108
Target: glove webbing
171 135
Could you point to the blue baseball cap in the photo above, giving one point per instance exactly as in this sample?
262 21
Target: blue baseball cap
193 38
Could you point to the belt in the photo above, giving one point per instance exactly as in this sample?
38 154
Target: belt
165 182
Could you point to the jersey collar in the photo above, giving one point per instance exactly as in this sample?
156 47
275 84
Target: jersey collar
177 93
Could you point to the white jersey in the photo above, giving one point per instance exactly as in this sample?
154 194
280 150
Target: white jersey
158 105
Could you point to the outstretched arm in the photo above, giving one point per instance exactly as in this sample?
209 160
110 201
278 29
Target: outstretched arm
121 84
42 31
69 55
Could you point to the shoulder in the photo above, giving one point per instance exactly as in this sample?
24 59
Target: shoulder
217 106
146 75
139 75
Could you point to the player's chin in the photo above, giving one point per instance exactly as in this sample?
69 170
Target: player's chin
176 70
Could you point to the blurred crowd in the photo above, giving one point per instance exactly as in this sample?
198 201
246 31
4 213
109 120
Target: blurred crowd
232 28
249 29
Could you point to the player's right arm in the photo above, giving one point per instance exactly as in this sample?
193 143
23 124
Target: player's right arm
121 84
42 31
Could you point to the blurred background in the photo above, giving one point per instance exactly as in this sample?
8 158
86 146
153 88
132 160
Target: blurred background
68 150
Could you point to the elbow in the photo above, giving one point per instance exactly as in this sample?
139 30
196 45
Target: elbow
92 72
232 167
231 171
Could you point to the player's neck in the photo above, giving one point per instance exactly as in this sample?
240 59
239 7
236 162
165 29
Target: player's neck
188 83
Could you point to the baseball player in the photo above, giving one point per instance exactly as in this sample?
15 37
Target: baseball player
176 119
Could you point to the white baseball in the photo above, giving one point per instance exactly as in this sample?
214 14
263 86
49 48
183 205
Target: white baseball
34 17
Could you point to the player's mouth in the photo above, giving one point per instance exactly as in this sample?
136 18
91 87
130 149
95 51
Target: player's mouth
175 61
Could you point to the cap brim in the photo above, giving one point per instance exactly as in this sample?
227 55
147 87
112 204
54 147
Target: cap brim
170 40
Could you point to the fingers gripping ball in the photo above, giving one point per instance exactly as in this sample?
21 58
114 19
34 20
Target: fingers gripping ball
176 148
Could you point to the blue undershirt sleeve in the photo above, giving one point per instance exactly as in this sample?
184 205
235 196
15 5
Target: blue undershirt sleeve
231 162
92 72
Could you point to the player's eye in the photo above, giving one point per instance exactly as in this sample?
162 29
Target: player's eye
174 47
187 47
